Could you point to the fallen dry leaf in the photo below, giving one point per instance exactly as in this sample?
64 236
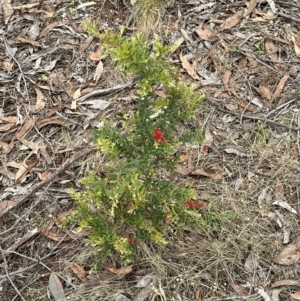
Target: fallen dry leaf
233 20
86 4
265 16
290 254
13 164
78 270
159 93
251 263
122 271
6 127
285 205
256 101
6 204
296 42
177 43
271 50
188 67
98 71
286 282
198 294
280 86
30 144
212 173
243 63
235 151
70 89
7 65
148 288
96 56
272 5
24 170
86 44
55 287
296 296
50 26
186 170
196 61
43 176
232 86
61 216
265 92
250 6
27 126
51 120
241 290
73 24
261 291
57 80
53 235
29 41
10 119
40 104
6 147
76 96
205 34
226 77
87 90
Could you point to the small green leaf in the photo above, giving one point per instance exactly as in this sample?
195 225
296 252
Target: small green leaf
233 48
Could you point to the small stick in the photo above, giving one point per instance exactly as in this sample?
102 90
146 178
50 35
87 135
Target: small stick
271 122
109 90
280 107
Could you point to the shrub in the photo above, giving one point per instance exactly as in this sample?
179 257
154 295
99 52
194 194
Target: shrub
135 200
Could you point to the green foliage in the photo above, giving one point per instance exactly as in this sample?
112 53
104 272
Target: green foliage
258 48
135 200
263 133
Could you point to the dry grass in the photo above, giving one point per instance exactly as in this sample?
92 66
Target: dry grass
147 15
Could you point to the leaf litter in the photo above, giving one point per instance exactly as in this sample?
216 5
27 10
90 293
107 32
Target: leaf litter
57 86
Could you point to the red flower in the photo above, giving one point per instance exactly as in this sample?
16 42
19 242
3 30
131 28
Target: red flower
190 204
132 240
205 150
168 218
158 136
193 205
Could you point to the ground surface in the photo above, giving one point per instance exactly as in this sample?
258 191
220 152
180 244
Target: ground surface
244 56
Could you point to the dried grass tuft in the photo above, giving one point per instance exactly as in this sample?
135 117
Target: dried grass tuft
147 15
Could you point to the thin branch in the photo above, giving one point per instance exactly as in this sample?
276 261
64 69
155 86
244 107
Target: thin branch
270 122
280 107
102 92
